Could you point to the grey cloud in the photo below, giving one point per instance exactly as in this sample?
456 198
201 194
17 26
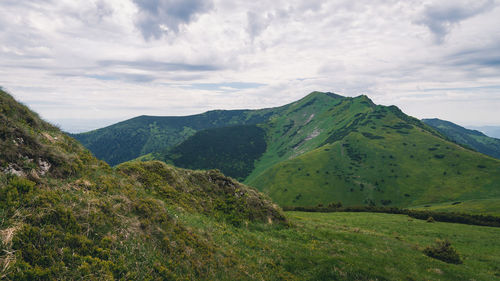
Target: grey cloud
443 15
159 66
477 57
157 17
256 23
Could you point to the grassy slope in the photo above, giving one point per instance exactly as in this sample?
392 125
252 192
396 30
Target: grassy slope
356 246
138 136
304 126
151 221
473 206
471 138
33 147
386 157
83 220
234 149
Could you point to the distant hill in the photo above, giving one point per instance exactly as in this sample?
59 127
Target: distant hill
141 135
326 148
471 138
490 131
376 155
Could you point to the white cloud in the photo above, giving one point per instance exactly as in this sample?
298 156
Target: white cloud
116 59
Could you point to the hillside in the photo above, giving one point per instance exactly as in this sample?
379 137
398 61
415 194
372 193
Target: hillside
471 138
68 216
233 150
300 127
141 135
79 219
32 147
326 148
382 157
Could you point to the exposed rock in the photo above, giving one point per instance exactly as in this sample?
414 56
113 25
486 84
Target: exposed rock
44 166
14 170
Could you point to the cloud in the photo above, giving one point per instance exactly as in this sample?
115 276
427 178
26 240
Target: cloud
159 66
488 56
257 23
441 16
159 17
93 59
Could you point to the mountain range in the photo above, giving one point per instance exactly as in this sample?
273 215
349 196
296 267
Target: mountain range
65 215
323 148
471 138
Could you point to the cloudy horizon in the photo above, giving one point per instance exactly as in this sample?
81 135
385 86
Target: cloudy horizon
87 64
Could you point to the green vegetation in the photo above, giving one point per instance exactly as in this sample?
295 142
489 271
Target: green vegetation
81 220
473 206
383 158
326 148
429 216
233 150
32 147
442 250
357 246
471 138
142 135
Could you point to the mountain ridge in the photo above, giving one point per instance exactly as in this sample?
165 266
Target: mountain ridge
471 138
327 148
152 221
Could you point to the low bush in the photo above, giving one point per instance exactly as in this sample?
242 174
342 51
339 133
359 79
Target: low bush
442 250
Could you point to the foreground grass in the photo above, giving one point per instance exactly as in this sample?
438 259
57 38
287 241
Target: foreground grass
355 246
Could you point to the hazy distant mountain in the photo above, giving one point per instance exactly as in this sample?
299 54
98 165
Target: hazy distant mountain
471 138
491 131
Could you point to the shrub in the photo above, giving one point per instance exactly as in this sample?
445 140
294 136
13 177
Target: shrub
442 250
22 185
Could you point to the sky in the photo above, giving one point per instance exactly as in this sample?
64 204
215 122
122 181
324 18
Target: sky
86 64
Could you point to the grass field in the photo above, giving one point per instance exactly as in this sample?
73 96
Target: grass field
475 206
355 246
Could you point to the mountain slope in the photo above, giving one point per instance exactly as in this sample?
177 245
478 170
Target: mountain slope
33 147
299 127
68 216
141 135
384 158
152 221
327 148
233 150
471 138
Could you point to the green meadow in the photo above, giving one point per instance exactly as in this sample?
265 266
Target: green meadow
356 246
